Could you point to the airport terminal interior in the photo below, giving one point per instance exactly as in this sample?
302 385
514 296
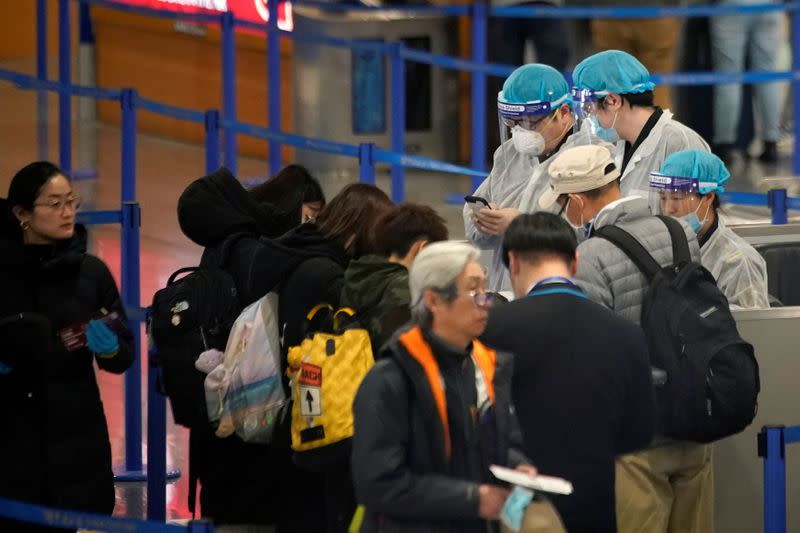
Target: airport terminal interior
168 160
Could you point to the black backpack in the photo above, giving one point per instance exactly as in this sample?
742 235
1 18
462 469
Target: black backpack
190 315
710 374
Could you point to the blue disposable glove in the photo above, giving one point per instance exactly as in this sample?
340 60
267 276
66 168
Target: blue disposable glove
101 339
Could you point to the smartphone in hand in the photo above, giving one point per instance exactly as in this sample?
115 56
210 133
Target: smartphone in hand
476 203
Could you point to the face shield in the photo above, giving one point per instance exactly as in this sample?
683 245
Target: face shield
585 104
674 196
524 122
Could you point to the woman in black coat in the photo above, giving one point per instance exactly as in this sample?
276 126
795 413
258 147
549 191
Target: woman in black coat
55 448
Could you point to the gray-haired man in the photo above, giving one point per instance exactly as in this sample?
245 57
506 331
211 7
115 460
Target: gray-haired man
435 412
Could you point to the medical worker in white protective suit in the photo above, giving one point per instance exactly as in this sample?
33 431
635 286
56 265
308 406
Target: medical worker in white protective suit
614 94
536 121
688 187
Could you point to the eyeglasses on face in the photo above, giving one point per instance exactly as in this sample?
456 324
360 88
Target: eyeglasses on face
72 202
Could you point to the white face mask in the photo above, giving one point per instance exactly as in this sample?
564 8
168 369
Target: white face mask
527 142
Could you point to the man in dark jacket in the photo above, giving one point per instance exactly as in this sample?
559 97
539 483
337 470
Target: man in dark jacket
376 286
581 374
668 487
435 413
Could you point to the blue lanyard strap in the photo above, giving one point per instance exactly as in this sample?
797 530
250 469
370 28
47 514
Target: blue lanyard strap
557 285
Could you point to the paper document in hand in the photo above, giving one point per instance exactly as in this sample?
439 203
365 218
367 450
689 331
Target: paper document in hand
553 485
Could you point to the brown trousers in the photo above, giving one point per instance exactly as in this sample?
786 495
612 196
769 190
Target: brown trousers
668 489
651 41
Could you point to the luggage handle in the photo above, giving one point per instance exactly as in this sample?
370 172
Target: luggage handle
316 309
184 270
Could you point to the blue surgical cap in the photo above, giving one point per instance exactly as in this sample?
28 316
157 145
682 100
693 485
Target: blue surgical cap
612 71
535 83
705 167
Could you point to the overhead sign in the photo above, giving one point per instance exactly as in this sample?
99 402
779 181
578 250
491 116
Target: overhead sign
250 10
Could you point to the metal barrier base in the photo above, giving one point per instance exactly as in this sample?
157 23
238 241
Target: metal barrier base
125 476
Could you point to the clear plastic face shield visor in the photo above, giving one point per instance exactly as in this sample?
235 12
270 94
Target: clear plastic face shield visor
674 196
585 103
529 116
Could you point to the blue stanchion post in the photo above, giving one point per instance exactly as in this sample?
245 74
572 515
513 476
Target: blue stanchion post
212 140
229 86
366 163
397 67
65 77
41 73
274 85
156 447
777 201
796 90
129 246
480 13
771 447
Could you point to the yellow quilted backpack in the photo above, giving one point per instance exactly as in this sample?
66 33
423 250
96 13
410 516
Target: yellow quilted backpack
326 370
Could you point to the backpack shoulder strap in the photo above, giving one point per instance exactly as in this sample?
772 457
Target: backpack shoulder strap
680 244
632 248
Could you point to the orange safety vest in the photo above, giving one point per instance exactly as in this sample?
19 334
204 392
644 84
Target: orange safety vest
420 350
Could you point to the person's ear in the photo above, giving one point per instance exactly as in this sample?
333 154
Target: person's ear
432 300
22 215
514 264
573 267
613 101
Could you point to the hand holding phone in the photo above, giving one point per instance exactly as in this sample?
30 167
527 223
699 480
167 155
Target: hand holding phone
476 203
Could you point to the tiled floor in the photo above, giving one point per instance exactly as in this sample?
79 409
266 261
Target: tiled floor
164 168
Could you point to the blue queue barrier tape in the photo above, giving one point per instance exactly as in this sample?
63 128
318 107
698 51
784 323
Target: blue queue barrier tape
91 218
771 447
24 81
212 140
638 12
65 77
160 13
422 163
42 110
60 518
84 174
426 9
180 113
316 38
309 143
791 434
228 45
455 63
479 41
366 164
397 133
137 314
684 79
274 85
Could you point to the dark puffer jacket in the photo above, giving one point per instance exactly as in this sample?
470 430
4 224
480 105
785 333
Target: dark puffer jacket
55 448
